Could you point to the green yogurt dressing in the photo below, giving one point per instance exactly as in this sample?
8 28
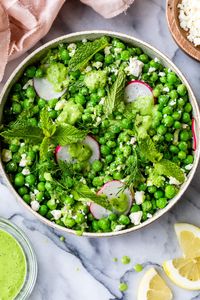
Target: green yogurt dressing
12 266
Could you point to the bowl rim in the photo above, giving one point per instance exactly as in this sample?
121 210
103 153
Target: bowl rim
166 59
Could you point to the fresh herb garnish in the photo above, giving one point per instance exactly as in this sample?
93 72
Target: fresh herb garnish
83 193
116 93
85 52
66 134
133 173
148 150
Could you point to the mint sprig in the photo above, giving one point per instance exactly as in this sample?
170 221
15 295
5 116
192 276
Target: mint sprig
85 52
116 93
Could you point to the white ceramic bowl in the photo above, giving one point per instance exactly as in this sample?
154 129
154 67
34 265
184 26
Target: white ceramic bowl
152 52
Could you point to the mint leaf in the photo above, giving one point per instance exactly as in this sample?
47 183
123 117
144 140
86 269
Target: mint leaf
44 147
148 150
83 193
66 134
85 52
116 94
169 169
32 133
46 122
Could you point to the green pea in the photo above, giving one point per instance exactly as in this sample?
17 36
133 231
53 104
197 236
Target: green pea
52 103
124 220
23 190
161 130
182 90
171 78
154 77
80 218
146 205
80 99
181 102
183 146
125 259
186 117
182 155
152 189
39 73
156 92
39 196
177 125
176 115
173 94
170 191
112 217
168 110
27 198
69 222
68 200
30 179
161 202
105 150
41 186
97 181
189 160
109 158
188 108
11 167
111 144
16 108
64 54
169 137
97 165
125 55
109 59
95 225
41 103
53 114
30 71
168 121
51 204
123 287
163 99
144 58
19 180
30 92
33 122
104 224
43 210
158 194
126 124
138 268
184 135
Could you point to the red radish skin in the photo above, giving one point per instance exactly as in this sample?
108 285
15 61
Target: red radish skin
98 211
45 89
61 152
137 88
194 135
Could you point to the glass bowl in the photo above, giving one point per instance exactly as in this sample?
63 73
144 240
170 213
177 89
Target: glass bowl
31 262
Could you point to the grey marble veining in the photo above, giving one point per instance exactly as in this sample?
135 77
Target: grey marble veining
83 268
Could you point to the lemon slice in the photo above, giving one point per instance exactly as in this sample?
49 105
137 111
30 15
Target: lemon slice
184 272
153 287
189 239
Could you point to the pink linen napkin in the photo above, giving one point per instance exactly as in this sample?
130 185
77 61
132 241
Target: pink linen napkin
24 22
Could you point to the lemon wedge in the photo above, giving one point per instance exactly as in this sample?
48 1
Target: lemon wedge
189 239
184 272
153 287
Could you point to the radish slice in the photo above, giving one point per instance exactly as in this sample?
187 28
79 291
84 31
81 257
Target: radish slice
45 89
94 146
111 189
62 153
98 211
136 89
194 134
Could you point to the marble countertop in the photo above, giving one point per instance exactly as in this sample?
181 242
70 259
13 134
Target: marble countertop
83 268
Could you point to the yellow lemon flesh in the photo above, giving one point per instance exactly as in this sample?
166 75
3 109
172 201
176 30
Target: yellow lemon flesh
189 239
153 287
184 272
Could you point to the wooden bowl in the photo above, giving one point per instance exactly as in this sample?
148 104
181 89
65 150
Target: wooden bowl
179 34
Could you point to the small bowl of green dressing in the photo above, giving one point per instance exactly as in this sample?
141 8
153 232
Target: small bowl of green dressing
18 264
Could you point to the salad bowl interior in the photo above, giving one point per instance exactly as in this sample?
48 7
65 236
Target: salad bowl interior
36 55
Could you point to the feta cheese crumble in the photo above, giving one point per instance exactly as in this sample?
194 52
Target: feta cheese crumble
56 214
119 227
23 162
35 205
189 17
97 64
139 197
189 167
135 67
6 155
136 217
25 171
174 181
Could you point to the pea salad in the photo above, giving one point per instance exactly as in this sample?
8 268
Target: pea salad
97 136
